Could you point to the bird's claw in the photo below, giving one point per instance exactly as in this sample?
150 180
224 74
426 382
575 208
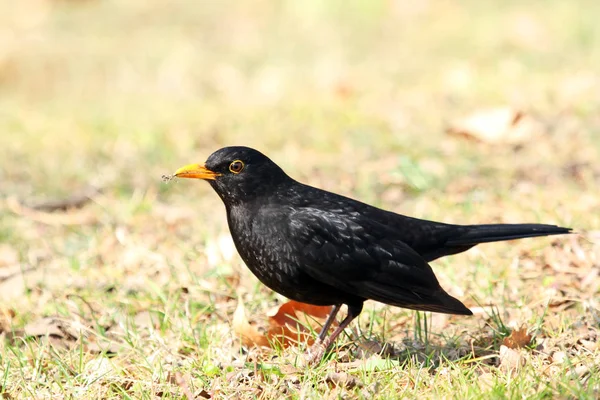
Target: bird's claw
315 353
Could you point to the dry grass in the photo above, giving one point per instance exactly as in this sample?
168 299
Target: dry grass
131 295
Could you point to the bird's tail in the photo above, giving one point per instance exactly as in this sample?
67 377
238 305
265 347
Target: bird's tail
475 234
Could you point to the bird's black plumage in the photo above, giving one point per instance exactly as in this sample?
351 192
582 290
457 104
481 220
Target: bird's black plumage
321 248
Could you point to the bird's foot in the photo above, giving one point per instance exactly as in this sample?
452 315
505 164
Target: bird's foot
315 353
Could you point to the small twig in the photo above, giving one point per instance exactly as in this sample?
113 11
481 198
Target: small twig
81 217
93 311
76 200
7 273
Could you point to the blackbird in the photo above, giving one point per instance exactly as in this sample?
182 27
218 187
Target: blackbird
322 248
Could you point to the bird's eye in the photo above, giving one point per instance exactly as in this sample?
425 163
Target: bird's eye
236 166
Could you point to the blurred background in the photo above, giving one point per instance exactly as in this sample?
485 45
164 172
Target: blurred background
460 111
117 93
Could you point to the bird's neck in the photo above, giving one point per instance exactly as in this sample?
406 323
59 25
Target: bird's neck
241 213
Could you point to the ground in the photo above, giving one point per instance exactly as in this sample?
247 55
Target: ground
463 112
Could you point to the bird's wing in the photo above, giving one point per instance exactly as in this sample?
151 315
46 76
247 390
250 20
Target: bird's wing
365 258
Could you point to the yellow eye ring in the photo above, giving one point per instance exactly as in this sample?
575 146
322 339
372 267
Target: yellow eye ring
236 166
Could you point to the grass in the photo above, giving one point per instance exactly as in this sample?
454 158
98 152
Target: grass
138 287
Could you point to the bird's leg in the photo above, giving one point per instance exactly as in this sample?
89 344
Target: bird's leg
353 312
317 351
328 322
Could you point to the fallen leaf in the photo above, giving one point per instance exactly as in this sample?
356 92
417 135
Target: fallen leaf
287 313
511 359
589 345
249 334
581 371
289 324
43 327
69 329
343 379
495 126
559 357
60 332
517 339
368 348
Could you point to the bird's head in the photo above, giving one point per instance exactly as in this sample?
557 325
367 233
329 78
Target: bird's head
238 174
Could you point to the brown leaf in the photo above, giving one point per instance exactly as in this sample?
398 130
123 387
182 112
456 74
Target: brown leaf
342 379
518 338
249 334
368 348
43 327
69 329
511 359
287 313
204 394
496 125
289 324
59 332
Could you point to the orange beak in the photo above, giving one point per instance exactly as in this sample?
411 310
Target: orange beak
196 171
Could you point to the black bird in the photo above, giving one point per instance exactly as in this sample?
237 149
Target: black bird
321 248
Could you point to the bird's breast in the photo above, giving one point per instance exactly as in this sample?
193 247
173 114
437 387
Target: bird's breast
265 251
268 251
